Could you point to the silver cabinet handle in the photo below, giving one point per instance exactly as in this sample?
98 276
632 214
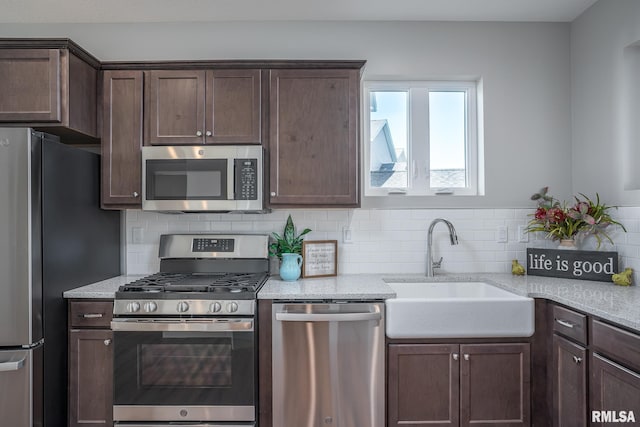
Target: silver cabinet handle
327 317
92 315
565 323
135 194
199 133
209 133
273 193
107 342
11 366
466 357
456 356
577 359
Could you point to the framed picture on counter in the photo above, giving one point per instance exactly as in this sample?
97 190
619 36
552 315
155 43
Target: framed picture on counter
319 258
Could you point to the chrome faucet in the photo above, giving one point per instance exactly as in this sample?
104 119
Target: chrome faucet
431 264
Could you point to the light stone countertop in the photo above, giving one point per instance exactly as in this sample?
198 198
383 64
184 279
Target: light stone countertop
617 304
105 289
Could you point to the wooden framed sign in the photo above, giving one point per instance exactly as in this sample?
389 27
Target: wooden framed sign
319 258
585 265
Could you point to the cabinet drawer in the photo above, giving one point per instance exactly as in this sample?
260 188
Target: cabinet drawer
570 324
617 343
90 314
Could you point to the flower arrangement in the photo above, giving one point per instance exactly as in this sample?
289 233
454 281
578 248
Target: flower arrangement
560 221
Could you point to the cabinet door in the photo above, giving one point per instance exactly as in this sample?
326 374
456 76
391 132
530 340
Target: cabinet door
233 107
423 385
174 107
495 385
90 378
314 137
612 388
122 139
30 85
569 383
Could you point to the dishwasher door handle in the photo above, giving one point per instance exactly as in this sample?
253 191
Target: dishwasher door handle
327 317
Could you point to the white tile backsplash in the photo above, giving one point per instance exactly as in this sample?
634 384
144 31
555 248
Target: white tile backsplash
384 241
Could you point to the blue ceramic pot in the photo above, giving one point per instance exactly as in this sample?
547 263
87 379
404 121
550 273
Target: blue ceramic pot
290 267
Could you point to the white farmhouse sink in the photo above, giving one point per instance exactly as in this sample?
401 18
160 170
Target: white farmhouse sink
457 310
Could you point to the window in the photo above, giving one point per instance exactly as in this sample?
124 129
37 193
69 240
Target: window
422 138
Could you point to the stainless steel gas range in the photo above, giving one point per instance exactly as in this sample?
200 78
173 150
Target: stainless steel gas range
184 338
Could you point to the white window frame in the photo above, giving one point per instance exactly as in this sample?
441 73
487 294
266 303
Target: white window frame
418 130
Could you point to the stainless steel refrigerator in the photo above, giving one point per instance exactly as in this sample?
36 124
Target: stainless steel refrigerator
53 237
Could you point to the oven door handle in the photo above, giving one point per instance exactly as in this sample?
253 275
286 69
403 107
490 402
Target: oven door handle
200 325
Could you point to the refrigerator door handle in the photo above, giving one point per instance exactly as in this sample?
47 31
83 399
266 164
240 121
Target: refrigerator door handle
12 366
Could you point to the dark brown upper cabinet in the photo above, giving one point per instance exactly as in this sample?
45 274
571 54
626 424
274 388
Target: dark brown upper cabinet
203 107
122 139
53 89
313 144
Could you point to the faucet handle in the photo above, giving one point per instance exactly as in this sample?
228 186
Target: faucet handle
437 264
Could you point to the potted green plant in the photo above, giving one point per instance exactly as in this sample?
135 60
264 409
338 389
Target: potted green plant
288 248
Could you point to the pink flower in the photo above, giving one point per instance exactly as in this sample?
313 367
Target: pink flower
556 215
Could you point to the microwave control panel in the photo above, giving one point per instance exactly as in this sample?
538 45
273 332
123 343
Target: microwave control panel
246 177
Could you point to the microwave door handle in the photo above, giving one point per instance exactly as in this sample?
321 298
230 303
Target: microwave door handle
231 174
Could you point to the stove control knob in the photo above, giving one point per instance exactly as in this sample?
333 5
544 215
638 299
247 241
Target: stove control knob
150 306
133 307
232 307
183 307
215 307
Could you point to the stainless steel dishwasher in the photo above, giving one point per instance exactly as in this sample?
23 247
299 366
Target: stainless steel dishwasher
328 364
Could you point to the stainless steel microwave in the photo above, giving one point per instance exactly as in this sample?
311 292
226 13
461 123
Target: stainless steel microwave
202 178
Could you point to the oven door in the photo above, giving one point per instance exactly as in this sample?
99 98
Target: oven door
184 370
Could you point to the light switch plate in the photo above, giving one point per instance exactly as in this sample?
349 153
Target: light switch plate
137 234
502 234
347 235
523 236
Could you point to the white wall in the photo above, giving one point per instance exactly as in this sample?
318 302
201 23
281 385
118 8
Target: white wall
524 67
605 82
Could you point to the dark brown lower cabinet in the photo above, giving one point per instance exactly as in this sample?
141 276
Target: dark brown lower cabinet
459 385
569 383
90 364
614 391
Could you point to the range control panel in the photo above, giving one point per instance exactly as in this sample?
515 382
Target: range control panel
212 245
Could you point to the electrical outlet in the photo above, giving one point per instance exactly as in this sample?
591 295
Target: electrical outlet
503 234
137 235
523 236
347 236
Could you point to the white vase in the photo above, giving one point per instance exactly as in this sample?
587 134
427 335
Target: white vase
567 244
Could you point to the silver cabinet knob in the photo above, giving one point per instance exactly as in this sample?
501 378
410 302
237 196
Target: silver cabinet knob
133 307
182 307
466 357
107 342
215 307
273 193
209 133
135 194
577 360
150 306
232 307
199 133
455 356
